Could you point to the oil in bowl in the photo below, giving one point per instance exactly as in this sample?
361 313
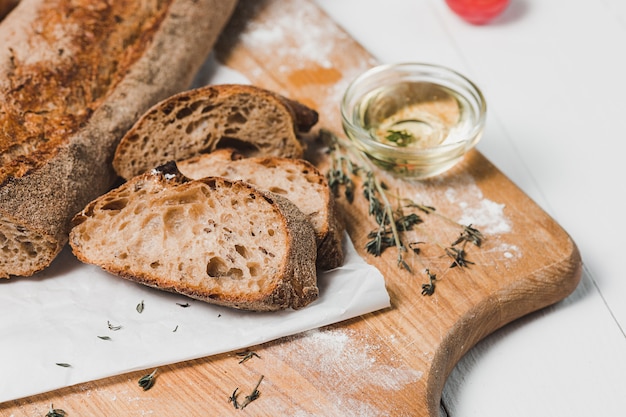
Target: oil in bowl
415 120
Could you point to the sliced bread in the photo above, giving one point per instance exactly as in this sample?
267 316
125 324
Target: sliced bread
253 120
296 179
74 77
213 239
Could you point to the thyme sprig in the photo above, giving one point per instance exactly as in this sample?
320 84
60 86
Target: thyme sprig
391 223
248 399
340 173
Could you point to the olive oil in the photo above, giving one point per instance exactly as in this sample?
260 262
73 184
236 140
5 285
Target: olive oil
415 114
413 120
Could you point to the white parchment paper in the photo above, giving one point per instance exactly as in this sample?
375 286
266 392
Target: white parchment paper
58 315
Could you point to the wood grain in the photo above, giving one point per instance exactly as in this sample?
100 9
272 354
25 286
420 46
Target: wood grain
392 362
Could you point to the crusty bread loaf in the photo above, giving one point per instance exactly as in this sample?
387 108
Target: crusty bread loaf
214 239
296 179
6 6
251 119
74 77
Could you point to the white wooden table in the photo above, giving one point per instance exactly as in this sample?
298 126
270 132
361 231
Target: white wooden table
554 76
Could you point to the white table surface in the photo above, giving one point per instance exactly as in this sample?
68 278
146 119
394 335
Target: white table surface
554 76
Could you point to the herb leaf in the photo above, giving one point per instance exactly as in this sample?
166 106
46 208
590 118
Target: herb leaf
140 307
253 395
429 289
247 355
112 327
401 138
233 398
147 381
64 365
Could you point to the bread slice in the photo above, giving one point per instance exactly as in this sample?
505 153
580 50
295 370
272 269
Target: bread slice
296 179
214 239
74 77
253 120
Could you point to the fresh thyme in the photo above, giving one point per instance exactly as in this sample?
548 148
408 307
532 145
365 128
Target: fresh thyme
391 223
147 381
458 257
401 138
113 327
247 355
55 412
248 399
233 398
429 289
253 395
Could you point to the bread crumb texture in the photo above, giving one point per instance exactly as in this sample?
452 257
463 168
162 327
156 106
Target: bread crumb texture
20 249
214 240
248 118
296 179
46 95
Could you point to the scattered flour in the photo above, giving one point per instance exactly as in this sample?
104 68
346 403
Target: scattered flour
342 366
316 49
477 210
315 43
487 215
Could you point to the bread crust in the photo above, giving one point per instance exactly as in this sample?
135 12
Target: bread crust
254 120
59 167
287 280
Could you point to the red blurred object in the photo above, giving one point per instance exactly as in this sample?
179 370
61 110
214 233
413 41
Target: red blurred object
478 12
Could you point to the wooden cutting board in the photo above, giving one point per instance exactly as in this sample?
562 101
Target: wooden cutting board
393 362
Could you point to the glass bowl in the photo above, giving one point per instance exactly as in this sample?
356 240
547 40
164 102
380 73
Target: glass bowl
414 120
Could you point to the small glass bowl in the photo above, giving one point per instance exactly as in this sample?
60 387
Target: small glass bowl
414 120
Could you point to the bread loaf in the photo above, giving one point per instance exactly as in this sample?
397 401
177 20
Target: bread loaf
296 179
6 6
214 239
251 119
74 77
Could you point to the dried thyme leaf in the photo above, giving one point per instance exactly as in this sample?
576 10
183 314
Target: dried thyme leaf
253 395
471 235
233 398
147 381
140 307
112 327
458 256
183 305
63 365
401 138
104 337
429 289
247 355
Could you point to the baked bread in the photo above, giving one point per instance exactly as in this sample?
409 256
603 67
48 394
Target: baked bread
253 120
6 6
296 179
213 239
74 77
